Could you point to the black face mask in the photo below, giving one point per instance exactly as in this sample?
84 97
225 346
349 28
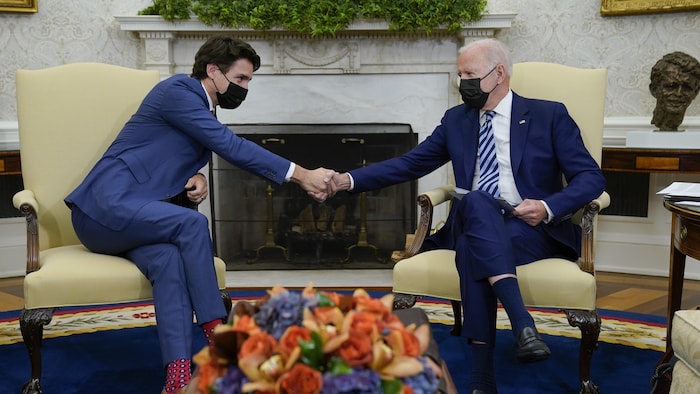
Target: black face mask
471 92
232 97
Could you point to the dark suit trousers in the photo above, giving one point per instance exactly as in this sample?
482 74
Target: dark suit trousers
488 244
171 246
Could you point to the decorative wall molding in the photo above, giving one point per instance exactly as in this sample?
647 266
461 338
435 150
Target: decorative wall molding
150 23
298 52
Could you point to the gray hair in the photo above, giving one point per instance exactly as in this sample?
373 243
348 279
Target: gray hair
496 52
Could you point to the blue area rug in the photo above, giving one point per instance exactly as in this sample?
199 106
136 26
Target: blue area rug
114 349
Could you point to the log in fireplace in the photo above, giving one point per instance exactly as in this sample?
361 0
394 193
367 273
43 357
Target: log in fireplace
259 225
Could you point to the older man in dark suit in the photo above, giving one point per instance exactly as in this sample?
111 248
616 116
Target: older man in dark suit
502 146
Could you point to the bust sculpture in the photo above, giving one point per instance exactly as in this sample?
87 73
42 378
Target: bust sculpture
675 82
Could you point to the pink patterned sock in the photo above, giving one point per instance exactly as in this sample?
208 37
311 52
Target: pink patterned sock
208 329
177 375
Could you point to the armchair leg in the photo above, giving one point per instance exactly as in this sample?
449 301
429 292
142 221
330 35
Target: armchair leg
589 324
226 298
457 313
31 324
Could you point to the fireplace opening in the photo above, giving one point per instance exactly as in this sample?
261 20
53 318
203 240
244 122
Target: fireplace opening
258 225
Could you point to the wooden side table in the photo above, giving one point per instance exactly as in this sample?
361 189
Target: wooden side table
648 160
10 163
685 241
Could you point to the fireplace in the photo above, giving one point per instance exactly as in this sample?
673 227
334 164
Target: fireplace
257 224
364 75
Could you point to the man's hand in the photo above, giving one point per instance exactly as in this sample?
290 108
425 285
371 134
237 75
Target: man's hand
531 212
340 182
197 188
316 182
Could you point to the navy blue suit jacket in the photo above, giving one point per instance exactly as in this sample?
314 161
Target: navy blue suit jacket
545 143
168 139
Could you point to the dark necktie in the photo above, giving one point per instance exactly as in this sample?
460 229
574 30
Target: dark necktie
488 164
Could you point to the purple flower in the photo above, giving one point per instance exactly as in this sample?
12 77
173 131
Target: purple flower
425 382
230 383
359 381
281 311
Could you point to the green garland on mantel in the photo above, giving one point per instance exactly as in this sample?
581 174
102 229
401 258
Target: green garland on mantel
322 17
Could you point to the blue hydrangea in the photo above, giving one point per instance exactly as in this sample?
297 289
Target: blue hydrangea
359 381
281 311
231 382
425 382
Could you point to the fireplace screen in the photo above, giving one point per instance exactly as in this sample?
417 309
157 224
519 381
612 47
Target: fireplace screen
259 225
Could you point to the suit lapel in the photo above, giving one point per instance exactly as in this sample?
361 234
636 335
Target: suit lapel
519 128
470 144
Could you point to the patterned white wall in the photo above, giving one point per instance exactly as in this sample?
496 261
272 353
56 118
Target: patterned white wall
61 32
566 31
572 32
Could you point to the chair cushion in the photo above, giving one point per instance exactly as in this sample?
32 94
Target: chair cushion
548 283
73 276
685 337
684 380
431 273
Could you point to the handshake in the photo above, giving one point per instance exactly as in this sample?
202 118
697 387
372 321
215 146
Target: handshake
321 183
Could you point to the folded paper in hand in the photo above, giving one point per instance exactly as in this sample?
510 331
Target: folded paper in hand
502 202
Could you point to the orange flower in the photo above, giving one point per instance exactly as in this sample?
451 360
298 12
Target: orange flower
364 323
300 379
291 337
245 324
381 307
328 315
356 351
411 346
258 343
254 352
208 369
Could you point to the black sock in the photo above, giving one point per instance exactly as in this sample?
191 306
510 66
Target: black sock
482 377
508 291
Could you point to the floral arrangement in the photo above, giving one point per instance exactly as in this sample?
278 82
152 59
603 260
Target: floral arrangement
311 341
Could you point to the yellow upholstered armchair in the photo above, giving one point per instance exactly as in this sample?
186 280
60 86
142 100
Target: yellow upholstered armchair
68 115
550 283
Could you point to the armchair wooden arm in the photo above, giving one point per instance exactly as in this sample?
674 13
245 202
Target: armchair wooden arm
26 203
588 231
426 201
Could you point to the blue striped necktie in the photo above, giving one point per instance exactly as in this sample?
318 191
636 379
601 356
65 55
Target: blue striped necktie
488 165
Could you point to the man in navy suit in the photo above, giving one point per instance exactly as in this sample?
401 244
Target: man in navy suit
537 145
122 207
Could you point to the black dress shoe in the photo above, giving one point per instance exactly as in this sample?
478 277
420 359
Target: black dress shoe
531 347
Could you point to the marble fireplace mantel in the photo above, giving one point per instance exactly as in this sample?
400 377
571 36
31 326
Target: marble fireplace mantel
340 52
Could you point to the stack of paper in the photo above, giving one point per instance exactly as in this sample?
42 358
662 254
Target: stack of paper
683 193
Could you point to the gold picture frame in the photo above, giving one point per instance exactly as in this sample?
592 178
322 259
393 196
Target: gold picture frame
635 7
19 5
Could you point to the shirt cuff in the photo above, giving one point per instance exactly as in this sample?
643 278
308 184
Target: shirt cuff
352 182
550 215
290 172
